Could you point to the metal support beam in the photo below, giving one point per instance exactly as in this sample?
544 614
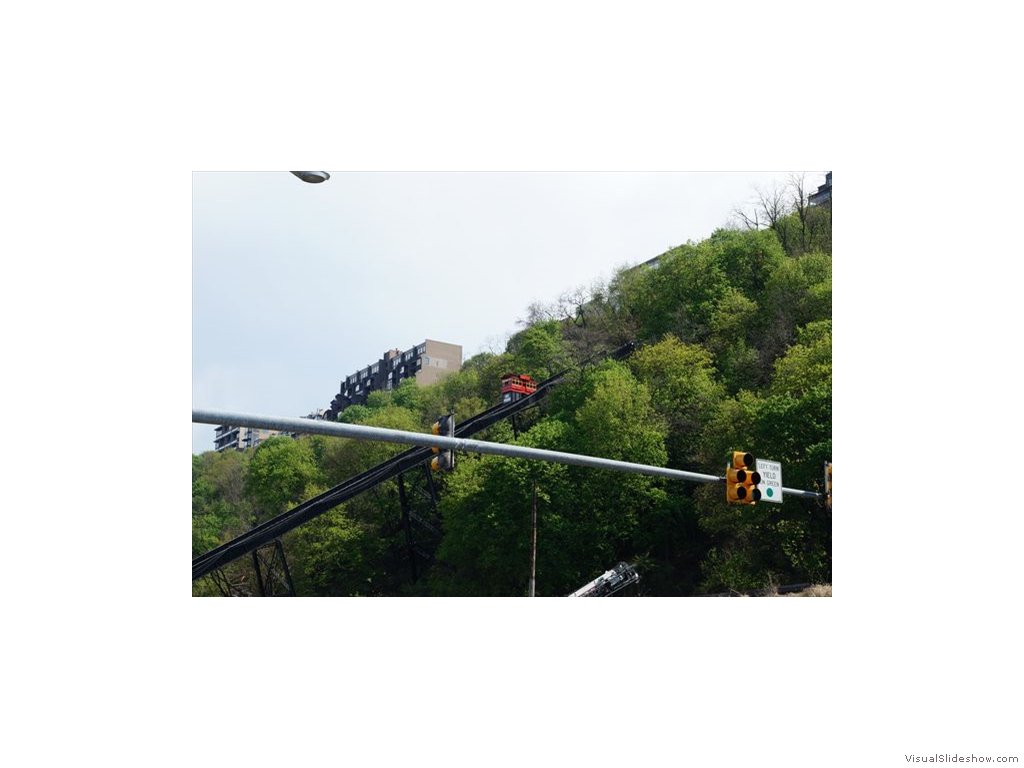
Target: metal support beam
431 488
259 573
359 432
268 578
307 510
404 501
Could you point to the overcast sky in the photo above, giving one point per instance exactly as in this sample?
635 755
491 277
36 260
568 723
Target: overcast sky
297 285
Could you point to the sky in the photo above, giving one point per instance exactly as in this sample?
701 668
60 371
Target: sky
297 285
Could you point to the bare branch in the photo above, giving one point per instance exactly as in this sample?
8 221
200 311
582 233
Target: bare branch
768 206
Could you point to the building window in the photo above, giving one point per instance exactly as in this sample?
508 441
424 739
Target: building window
375 368
421 349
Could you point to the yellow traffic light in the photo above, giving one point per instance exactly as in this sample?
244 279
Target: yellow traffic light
741 479
445 459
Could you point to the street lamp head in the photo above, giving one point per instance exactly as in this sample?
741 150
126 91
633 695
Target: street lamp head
313 177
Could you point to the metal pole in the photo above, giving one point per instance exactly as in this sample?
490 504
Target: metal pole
407 524
284 565
259 575
359 432
533 546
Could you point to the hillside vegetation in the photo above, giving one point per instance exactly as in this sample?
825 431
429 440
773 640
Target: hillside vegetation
734 352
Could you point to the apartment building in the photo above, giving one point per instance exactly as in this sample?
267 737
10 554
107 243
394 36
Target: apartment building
227 437
824 194
427 362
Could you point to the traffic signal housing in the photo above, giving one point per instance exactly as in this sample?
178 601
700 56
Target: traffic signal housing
741 479
445 459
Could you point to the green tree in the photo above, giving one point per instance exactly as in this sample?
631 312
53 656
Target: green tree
282 473
587 519
680 296
345 458
734 335
336 555
219 508
796 294
220 512
457 393
355 414
684 393
738 355
488 369
808 364
747 258
538 350
752 545
617 420
486 509
346 551
407 395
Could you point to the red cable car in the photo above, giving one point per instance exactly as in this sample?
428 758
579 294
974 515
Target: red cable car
515 386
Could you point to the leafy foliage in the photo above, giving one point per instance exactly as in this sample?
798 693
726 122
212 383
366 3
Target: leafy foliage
219 510
281 473
734 352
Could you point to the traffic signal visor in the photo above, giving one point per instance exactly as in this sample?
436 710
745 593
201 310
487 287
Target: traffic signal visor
741 480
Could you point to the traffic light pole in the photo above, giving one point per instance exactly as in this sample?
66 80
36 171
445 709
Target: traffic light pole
360 432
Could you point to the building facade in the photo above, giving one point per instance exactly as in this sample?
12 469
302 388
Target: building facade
427 362
227 437
824 194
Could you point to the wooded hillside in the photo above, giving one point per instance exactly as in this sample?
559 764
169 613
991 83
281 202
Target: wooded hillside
734 338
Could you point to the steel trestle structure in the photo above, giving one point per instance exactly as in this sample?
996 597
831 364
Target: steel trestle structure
270 530
273 529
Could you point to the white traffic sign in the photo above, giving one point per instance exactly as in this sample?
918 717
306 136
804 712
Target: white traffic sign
771 480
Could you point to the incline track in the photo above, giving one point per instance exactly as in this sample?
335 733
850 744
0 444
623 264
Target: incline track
272 529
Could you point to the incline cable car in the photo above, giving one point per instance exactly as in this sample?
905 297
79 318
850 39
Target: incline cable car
515 386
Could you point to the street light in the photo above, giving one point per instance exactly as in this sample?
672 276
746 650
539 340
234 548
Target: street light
313 177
